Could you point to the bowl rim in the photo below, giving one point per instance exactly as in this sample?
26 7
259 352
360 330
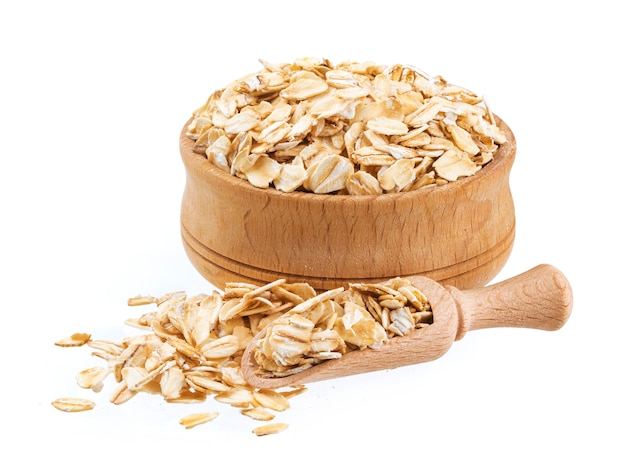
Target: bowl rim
503 157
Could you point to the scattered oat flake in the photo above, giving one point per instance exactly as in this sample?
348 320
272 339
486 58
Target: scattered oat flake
297 390
76 339
271 400
258 413
192 420
73 404
270 428
237 397
141 300
92 377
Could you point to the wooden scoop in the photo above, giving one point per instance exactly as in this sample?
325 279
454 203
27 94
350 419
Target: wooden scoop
540 298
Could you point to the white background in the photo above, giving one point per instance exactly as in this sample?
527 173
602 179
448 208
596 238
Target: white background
93 96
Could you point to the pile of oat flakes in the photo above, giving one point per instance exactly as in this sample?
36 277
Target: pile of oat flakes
193 345
351 128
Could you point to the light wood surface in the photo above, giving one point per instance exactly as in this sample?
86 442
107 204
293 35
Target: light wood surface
459 234
540 298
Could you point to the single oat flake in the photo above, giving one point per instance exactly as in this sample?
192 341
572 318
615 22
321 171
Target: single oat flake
76 339
350 128
270 428
193 420
73 404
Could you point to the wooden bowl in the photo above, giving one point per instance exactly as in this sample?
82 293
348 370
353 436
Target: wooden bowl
459 234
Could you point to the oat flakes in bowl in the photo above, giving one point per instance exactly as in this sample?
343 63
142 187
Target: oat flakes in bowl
335 173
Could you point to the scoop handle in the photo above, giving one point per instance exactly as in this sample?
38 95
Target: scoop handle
540 298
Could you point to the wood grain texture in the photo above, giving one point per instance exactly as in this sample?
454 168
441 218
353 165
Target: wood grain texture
460 234
540 298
